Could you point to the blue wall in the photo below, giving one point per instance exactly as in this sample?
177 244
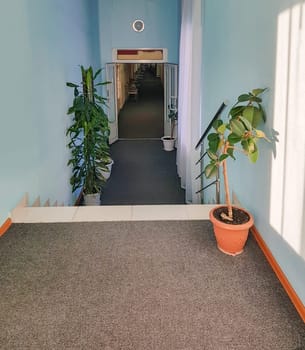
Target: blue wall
162 26
240 53
42 44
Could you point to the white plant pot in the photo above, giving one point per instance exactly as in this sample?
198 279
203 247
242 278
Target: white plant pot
168 143
106 174
92 199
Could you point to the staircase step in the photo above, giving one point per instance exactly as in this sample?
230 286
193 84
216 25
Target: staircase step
36 202
111 213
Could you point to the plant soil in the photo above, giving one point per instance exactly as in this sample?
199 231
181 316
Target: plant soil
239 216
168 138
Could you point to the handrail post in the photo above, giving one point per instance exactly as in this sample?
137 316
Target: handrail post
202 154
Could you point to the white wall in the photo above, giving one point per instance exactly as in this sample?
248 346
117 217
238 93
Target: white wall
261 44
42 45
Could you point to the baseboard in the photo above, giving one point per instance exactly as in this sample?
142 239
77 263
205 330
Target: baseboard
280 274
5 226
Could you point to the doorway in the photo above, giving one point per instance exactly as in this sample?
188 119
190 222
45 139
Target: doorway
149 85
140 100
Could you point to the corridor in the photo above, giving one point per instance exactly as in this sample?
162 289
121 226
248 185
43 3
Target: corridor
143 173
142 114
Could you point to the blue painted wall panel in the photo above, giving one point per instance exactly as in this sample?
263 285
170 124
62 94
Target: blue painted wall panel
42 44
162 26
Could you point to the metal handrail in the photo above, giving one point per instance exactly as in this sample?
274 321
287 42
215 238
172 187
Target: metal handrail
200 142
220 109
199 160
207 186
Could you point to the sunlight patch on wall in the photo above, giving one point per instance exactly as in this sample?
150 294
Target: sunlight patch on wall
288 167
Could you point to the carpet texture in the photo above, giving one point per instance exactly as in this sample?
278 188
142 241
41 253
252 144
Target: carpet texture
143 173
138 286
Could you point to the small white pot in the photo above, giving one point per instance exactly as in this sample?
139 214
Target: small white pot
168 143
92 199
106 174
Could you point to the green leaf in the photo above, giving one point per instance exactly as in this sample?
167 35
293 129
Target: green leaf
257 92
72 85
237 127
246 123
212 155
104 83
233 138
236 111
221 129
261 135
210 170
256 99
97 73
71 110
245 147
244 97
251 149
254 115
263 114
217 123
253 156
230 152
213 136
251 145
223 157
213 142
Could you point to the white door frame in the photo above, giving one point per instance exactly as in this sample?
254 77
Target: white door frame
112 102
170 90
170 94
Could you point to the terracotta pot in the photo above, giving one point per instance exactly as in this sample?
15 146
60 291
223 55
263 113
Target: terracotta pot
231 239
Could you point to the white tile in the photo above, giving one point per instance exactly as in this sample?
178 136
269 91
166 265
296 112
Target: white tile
103 213
159 212
111 213
43 214
199 211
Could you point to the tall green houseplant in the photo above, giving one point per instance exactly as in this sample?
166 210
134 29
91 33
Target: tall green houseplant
88 133
239 134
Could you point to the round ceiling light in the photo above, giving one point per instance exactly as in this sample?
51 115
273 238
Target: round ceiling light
138 25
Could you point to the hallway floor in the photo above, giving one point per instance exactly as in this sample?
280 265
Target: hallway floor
143 173
142 117
139 285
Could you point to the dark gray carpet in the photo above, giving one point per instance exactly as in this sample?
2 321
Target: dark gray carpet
138 286
143 173
143 118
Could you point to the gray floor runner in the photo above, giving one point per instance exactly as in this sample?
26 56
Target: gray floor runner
138 286
143 173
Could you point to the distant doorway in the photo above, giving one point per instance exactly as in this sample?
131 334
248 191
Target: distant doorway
140 100
140 97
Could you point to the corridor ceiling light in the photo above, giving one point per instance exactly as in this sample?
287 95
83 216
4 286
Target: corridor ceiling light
138 25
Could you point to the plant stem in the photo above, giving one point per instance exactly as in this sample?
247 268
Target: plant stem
226 184
172 128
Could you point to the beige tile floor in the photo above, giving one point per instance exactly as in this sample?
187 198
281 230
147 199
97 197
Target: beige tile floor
110 213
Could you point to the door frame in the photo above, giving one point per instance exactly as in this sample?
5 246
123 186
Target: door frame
170 97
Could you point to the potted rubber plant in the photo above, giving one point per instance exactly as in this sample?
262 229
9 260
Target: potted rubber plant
238 134
88 134
169 141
